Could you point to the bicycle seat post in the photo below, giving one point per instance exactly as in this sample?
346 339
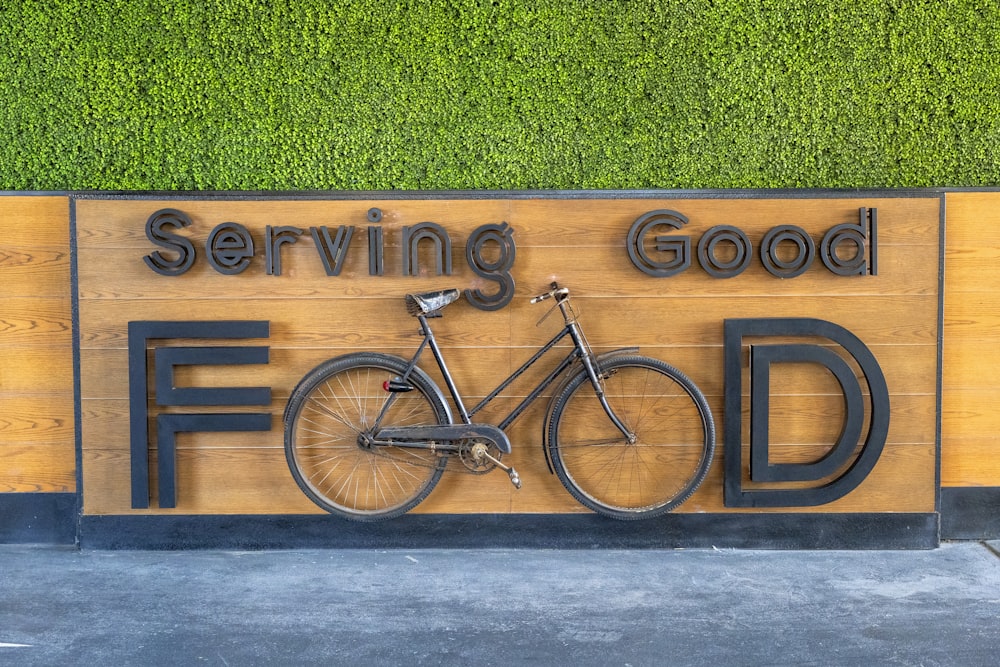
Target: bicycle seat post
431 341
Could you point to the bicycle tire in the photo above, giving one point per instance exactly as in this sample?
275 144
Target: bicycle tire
663 468
335 403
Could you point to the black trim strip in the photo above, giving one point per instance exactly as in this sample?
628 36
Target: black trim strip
394 195
74 281
970 513
545 531
939 382
38 518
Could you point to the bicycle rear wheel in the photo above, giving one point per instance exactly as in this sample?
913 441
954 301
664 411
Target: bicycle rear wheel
335 404
670 458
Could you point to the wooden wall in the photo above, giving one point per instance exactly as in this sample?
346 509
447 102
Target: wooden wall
579 242
37 446
970 428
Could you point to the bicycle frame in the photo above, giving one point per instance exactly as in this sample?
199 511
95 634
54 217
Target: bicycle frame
580 351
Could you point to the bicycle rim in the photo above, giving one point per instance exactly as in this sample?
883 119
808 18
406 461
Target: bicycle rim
330 410
672 453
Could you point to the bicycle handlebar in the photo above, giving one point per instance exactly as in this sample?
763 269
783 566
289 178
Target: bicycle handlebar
559 293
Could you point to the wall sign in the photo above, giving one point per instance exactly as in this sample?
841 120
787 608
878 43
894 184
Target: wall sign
803 321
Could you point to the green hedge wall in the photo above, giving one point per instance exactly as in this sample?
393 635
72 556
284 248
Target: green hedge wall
523 94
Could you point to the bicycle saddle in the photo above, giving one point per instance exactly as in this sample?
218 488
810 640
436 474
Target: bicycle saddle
430 304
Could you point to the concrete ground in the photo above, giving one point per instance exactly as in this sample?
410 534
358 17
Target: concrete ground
501 607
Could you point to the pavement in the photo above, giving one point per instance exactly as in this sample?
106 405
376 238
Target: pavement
500 607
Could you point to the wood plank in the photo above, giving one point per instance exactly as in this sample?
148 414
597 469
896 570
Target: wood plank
588 271
36 321
545 222
35 272
969 420
121 223
234 481
537 222
973 220
971 272
970 363
34 221
36 420
104 373
971 462
902 481
970 435
794 422
37 468
654 321
36 371
973 320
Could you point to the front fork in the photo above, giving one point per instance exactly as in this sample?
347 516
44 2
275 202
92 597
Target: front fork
594 373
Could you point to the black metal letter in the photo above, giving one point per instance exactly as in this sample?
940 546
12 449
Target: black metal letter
761 359
230 248
376 258
277 237
710 240
501 235
678 249
139 333
805 251
862 235
440 240
169 217
331 251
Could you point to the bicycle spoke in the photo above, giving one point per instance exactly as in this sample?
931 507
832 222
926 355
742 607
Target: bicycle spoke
325 449
669 458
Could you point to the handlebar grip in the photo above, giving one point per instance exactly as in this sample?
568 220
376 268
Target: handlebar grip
556 291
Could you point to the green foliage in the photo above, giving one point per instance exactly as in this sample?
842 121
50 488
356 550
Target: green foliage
501 94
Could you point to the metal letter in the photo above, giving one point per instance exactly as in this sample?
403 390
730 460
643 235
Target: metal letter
501 235
761 359
169 217
678 249
332 252
412 236
376 259
862 236
139 333
277 237
230 248
711 239
806 251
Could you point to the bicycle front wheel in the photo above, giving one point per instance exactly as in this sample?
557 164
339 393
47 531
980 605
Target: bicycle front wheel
675 439
333 407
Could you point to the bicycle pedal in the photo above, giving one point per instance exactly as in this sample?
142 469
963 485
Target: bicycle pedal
515 479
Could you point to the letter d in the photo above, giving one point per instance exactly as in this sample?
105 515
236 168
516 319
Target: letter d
762 358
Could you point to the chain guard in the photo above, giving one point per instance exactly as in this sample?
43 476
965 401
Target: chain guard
464 455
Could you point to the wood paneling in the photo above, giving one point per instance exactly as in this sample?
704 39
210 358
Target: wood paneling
581 243
37 452
970 422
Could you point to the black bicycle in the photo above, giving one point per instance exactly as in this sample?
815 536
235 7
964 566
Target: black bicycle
368 435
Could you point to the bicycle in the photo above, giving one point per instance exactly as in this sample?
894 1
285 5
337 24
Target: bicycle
368 435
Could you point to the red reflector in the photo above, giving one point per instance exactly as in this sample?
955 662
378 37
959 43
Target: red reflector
385 386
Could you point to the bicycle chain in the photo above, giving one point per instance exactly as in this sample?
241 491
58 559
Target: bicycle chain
380 452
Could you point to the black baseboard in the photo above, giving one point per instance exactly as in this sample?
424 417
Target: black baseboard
38 518
970 513
574 531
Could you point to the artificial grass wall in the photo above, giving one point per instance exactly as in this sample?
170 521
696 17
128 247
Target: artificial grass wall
433 94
